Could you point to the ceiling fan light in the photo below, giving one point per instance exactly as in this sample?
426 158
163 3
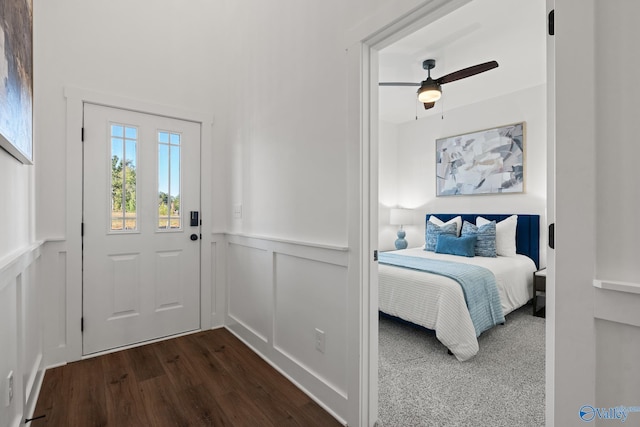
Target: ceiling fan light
429 93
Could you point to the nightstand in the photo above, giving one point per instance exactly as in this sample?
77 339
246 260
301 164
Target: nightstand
539 285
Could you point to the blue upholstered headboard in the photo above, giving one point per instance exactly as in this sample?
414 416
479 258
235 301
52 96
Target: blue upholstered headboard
527 231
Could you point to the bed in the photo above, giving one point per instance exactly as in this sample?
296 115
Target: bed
439 302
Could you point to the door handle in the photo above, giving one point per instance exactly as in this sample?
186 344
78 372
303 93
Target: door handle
194 237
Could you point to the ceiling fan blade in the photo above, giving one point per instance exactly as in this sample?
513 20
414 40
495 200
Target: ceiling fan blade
467 72
398 84
428 105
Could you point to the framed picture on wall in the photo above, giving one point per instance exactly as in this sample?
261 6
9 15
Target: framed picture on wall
488 161
16 79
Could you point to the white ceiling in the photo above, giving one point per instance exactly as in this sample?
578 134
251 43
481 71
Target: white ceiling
511 32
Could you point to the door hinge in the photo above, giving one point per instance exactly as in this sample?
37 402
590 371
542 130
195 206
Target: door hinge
375 255
82 229
552 235
551 23
82 134
82 324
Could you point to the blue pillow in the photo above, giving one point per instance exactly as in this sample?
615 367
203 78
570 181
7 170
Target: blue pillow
463 246
486 237
433 231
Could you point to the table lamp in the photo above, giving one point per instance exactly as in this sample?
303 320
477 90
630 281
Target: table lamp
399 216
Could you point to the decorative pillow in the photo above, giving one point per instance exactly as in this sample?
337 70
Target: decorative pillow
433 231
505 234
463 246
457 221
486 235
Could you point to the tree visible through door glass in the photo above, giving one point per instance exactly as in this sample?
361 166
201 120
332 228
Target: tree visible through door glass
123 178
169 214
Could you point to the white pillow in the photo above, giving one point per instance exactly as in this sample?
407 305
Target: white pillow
505 234
457 221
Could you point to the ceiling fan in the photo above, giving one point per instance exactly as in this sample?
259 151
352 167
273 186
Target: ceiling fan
430 91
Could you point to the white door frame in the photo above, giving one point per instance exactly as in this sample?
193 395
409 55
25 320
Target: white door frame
384 26
75 99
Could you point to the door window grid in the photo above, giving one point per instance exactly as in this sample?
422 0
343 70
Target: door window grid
169 213
123 178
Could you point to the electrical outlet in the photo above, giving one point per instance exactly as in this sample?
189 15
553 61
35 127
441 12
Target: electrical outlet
319 340
9 390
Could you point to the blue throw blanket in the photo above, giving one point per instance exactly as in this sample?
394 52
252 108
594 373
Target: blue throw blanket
478 285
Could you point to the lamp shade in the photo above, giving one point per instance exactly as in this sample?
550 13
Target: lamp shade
399 216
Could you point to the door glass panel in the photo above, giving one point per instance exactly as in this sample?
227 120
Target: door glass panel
169 213
123 178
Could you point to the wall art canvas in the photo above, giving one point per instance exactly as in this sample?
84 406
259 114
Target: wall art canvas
483 162
16 78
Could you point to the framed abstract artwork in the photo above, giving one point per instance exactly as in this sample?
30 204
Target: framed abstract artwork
16 79
484 162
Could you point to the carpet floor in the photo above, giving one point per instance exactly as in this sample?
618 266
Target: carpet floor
503 385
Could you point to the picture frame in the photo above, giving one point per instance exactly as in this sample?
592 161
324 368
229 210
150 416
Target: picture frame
16 79
490 161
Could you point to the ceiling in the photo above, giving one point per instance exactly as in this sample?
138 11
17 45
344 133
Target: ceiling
511 32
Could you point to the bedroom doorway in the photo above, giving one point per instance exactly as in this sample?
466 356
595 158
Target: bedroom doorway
410 173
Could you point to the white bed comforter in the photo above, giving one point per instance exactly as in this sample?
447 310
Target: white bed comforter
437 302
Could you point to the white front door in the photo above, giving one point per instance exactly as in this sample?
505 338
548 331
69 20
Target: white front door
141 249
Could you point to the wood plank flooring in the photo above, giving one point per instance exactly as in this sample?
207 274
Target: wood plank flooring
205 379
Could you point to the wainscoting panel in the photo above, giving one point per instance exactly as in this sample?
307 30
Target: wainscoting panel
283 297
617 317
21 338
54 296
310 296
250 294
217 279
9 344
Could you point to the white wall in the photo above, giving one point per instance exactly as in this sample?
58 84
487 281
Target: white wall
596 329
21 341
618 202
16 181
21 344
288 143
617 150
613 156
414 170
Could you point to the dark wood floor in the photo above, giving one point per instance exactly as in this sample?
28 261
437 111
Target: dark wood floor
206 379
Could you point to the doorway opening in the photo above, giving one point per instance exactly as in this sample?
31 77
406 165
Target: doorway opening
409 182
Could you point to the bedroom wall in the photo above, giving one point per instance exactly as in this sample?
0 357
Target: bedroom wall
414 171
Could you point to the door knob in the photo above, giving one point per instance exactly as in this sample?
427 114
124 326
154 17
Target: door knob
194 237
